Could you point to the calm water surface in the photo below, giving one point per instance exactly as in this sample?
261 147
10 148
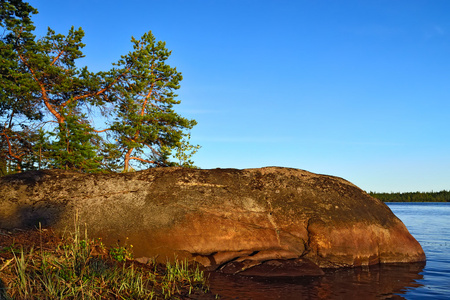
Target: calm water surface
429 223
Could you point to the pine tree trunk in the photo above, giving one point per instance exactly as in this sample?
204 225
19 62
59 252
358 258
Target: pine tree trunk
127 160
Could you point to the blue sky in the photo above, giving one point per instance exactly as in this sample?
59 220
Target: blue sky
355 89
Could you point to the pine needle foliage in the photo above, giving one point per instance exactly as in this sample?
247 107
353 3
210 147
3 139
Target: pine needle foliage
48 103
145 119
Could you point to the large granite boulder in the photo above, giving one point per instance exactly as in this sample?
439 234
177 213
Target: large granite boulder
228 219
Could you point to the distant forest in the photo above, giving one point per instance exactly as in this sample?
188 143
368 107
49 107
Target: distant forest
442 196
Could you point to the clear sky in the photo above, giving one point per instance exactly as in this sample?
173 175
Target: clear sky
355 89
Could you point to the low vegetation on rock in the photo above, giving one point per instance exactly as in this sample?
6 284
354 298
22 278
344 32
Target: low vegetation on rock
76 267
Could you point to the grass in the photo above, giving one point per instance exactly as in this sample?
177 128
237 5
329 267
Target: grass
82 268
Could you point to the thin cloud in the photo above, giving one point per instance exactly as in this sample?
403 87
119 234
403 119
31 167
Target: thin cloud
200 111
435 31
375 30
243 139
358 143
439 30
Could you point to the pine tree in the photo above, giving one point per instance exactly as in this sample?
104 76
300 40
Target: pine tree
45 102
17 106
43 86
146 127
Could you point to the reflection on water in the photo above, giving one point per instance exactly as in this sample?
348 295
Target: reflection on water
375 282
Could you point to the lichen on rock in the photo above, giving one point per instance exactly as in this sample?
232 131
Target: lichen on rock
221 218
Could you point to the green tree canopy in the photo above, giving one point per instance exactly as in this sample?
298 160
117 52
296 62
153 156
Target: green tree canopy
47 102
145 122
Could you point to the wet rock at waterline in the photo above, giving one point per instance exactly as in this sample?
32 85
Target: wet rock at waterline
253 221
273 268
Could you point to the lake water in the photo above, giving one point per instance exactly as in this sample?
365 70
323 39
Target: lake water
429 223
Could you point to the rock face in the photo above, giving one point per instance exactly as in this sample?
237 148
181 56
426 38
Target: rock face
225 219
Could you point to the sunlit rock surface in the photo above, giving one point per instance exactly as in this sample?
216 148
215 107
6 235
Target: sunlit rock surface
225 219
